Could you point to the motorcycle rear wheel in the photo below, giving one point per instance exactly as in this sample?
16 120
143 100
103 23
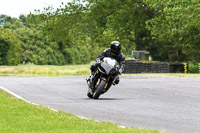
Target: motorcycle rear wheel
99 89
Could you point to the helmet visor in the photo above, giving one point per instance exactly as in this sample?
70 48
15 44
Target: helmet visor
115 49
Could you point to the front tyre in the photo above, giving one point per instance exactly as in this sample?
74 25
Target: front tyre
99 89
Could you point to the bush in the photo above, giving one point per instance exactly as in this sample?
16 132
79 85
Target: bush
77 55
9 48
193 68
37 49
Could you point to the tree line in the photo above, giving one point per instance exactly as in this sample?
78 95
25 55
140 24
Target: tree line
76 32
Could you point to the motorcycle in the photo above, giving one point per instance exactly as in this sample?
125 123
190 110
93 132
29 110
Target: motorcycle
103 78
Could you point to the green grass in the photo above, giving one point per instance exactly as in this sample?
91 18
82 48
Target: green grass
45 70
67 70
17 116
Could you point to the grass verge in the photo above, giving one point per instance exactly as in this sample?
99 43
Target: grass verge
68 70
17 116
45 70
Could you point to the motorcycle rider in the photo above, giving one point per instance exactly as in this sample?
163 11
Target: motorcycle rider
115 52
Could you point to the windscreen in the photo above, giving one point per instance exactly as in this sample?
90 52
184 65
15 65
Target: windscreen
110 61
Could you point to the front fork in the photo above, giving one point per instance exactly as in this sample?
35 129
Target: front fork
108 79
107 85
93 82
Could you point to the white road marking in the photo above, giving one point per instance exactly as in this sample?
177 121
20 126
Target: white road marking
19 97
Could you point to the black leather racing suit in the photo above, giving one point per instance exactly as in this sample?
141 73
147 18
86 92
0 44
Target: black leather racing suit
120 58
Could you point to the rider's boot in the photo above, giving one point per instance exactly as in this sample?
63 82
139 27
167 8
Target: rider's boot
116 81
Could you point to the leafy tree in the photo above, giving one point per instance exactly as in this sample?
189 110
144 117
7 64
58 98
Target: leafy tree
77 55
9 48
78 31
125 20
95 24
177 22
65 26
38 49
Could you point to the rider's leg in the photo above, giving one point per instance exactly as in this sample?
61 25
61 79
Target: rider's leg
90 78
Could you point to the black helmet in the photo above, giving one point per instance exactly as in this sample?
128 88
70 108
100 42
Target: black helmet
115 47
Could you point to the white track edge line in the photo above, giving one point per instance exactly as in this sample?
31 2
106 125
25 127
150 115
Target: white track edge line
15 95
19 97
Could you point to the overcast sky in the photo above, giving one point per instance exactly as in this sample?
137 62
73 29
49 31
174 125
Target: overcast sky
14 8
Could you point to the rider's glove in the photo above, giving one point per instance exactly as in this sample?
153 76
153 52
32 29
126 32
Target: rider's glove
120 71
98 60
117 70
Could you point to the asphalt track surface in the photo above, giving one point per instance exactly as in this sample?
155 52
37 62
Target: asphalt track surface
170 104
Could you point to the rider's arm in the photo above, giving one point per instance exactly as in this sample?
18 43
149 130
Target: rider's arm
102 55
122 63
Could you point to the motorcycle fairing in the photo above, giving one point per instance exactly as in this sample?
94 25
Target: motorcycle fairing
106 68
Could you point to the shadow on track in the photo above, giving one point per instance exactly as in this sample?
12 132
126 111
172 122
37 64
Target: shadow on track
107 99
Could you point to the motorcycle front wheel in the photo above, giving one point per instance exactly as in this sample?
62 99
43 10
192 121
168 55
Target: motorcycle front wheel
99 89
